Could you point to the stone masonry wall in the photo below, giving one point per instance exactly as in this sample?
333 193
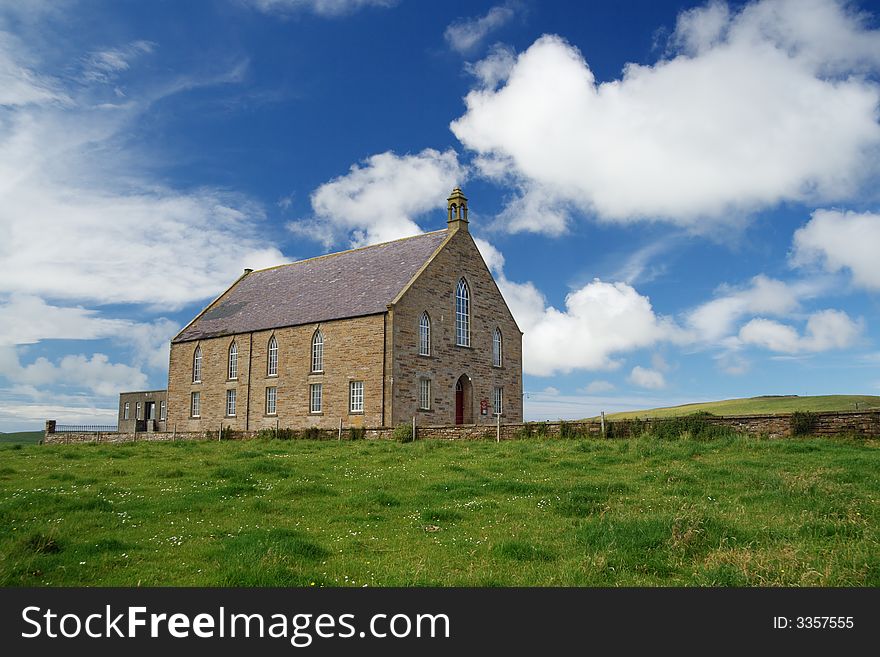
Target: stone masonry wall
434 292
859 423
353 351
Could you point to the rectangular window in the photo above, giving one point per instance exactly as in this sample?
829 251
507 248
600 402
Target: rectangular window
271 395
425 394
161 410
196 404
230 403
498 400
315 391
126 410
356 397
137 411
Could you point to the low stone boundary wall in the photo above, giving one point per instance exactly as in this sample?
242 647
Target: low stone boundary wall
859 423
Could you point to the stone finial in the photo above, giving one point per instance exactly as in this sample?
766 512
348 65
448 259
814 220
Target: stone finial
457 209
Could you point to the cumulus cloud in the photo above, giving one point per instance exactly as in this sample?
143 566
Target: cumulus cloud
825 330
380 198
841 240
647 378
749 108
715 319
327 8
96 373
464 35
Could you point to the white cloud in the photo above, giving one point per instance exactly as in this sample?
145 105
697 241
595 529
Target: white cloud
82 220
493 258
597 386
26 319
494 67
825 330
550 391
379 199
106 65
647 378
327 8
714 320
19 83
751 108
841 240
600 321
31 417
96 373
464 35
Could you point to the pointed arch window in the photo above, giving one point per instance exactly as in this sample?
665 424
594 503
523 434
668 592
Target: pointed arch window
318 351
496 347
233 361
272 364
463 314
425 335
197 365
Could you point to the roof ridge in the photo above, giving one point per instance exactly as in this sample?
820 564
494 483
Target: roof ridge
359 248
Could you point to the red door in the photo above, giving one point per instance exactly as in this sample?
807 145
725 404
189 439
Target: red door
459 403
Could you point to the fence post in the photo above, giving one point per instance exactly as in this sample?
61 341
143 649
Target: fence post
174 433
414 427
220 433
340 430
498 428
603 424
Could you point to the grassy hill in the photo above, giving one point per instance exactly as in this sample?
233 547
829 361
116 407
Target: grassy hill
629 512
759 405
21 438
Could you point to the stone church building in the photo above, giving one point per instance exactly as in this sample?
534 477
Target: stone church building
371 337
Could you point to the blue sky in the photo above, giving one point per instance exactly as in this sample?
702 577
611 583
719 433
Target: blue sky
678 200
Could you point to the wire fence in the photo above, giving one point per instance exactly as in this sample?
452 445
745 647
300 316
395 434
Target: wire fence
85 428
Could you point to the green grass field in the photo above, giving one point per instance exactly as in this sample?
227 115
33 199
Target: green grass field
761 405
730 511
21 438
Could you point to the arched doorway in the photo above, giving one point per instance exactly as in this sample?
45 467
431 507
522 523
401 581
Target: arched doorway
463 401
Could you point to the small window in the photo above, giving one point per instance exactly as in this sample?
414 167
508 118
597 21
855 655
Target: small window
230 403
425 394
137 411
498 400
315 392
196 404
463 314
126 410
197 365
233 361
356 397
271 396
162 410
425 335
272 368
496 347
318 351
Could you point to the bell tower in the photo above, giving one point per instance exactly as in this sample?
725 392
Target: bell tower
457 209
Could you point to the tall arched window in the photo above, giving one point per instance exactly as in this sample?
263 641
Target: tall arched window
496 347
425 335
233 361
197 365
463 314
318 351
272 366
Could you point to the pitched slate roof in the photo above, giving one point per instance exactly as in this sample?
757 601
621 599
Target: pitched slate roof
335 286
